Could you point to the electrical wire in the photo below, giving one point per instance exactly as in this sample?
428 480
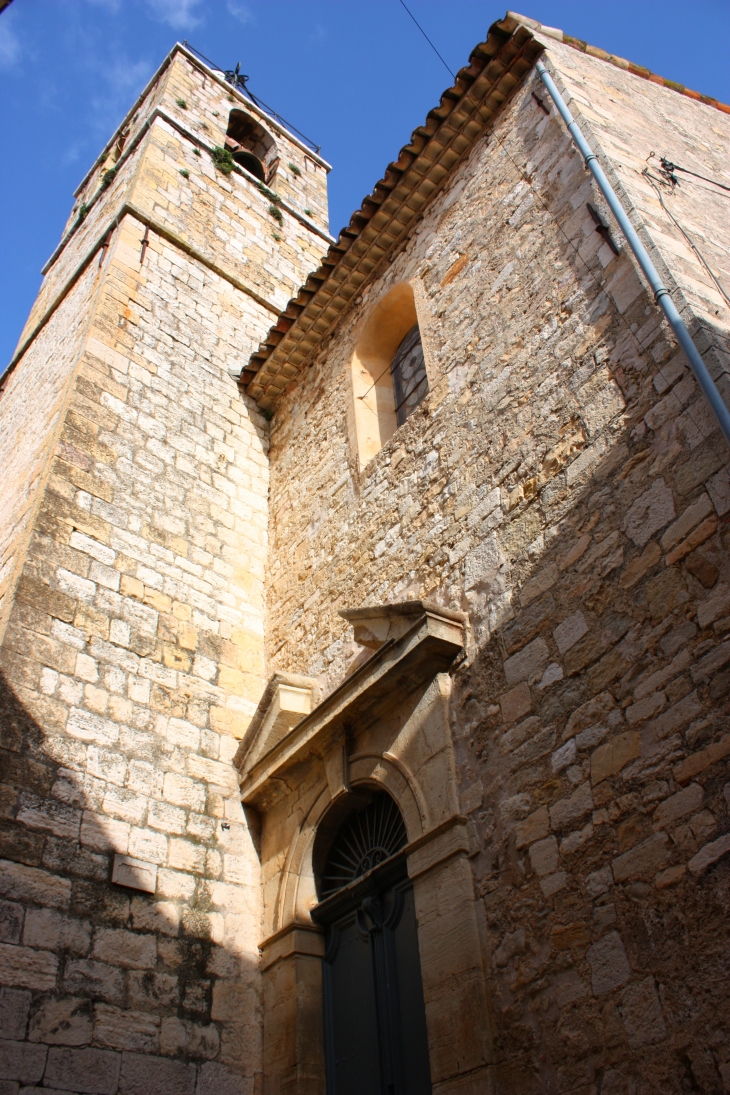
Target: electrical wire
670 167
656 184
433 47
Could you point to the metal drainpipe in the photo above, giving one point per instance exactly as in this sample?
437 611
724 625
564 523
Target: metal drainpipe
661 294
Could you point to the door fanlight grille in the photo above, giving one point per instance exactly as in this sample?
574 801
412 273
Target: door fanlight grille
367 838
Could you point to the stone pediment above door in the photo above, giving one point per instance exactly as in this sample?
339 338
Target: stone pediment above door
287 699
413 641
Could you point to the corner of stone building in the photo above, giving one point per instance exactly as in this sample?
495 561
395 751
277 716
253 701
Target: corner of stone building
133 554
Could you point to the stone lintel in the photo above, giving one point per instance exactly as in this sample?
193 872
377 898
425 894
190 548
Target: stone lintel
428 647
375 624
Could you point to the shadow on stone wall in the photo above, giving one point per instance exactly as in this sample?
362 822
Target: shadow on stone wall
592 740
105 989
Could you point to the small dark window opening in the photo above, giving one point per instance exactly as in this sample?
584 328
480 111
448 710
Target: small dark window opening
410 382
252 147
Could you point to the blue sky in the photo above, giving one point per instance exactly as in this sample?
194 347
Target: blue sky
356 77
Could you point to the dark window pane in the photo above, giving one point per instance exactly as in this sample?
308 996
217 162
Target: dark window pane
410 383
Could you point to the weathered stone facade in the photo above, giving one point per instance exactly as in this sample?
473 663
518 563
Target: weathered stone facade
135 532
565 484
560 499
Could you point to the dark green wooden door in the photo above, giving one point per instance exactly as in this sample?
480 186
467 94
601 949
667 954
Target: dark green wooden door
375 1023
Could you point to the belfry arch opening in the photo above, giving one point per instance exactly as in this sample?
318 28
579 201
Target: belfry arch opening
252 146
389 376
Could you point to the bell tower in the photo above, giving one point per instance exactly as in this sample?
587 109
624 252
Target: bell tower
133 538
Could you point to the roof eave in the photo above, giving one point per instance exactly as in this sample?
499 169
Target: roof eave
410 183
363 245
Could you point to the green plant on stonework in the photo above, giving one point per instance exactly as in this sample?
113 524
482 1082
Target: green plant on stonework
83 210
309 212
182 104
268 415
184 172
196 151
276 236
276 213
108 178
222 158
269 193
294 169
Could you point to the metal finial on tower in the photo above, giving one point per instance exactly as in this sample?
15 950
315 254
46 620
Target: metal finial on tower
233 76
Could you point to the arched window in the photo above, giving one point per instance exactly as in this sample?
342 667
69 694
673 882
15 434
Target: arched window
389 376
408 369
252 146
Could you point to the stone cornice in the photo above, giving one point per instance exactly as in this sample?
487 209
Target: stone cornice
101 239
400 665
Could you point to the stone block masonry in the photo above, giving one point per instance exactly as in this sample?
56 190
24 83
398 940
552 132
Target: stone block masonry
131 660
563 484
134 545
164 549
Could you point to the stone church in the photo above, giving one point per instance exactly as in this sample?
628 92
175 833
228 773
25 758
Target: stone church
365 605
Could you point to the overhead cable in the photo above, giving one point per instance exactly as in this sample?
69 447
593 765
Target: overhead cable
433 47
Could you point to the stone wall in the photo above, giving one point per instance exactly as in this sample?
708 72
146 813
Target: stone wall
31 402
133 655
564 483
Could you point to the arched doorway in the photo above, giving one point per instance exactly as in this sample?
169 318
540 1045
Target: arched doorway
384 729
374 1016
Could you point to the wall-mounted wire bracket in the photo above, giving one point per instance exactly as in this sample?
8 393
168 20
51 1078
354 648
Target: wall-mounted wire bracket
602 229
668 168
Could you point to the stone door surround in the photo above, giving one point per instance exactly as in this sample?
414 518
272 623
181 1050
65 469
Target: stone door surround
385 727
